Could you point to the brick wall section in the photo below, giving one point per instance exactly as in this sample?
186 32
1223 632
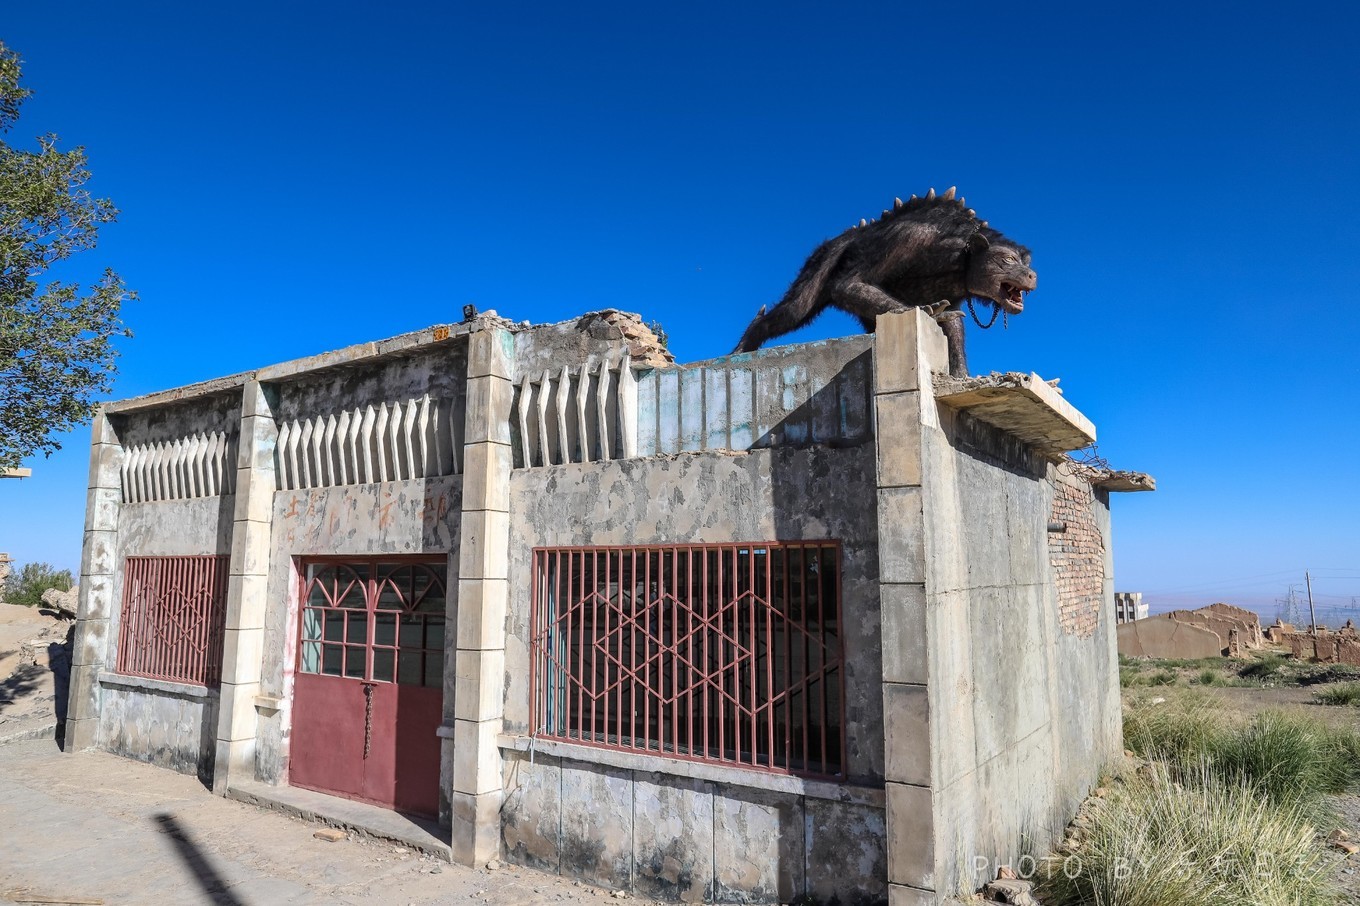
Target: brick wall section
1078 558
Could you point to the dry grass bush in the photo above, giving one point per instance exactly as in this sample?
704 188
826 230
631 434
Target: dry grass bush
1157 842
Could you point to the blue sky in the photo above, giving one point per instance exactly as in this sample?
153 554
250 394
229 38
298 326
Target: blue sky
297 177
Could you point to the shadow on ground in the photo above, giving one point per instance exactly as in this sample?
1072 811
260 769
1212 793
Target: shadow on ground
197 861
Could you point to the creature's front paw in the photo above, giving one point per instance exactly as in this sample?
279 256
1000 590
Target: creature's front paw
937 308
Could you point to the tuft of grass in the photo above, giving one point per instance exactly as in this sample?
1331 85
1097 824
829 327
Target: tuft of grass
1339 694
1154 842
1163 678
1269 670
1291 759
1209 677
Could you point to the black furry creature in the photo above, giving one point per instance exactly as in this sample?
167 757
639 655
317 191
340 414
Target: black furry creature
930 252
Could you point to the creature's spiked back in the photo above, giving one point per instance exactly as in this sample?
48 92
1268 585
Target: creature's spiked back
917 206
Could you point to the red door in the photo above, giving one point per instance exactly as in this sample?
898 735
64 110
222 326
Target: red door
369 685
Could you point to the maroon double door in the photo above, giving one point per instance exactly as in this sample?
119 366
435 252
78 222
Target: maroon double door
368 685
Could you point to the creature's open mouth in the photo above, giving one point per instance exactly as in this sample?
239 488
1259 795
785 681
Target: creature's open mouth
1014 301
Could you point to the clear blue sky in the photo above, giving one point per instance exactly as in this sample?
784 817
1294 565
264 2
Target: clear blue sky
296 177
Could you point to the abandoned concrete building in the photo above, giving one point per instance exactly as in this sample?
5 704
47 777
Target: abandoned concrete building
816 619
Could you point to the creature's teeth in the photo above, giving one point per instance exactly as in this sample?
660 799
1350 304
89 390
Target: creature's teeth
930 194
897 202
949 193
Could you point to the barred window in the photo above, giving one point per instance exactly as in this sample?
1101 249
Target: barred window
721 653
174 611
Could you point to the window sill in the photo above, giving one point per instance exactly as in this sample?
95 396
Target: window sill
697 770
146 684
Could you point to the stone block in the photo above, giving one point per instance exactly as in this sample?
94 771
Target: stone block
481 678
476 757
898 441
101 508
673 838
846 854
758 845
106 461
255 401
81 735
83 700
897 359
247 601
906 723
901 536
90 645
491 353
488 411
250 549
904 633
242 655
597 824
96 600
236 716
485 545
475 830
486 477
254 496
255 445
531 820
481 613
911 836
898 895
99 553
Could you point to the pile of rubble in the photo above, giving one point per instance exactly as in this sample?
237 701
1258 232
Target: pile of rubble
1218 629
1339 647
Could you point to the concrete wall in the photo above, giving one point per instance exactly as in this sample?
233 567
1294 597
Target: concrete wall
784 494
155 722
1000 673
691 839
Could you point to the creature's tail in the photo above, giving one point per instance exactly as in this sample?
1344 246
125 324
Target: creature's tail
803 302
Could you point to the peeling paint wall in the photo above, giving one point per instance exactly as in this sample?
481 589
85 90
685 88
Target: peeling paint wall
397 517
688 840
1012 754
164 729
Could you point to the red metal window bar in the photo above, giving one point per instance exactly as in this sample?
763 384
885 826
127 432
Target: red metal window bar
174 611
375 621
722 653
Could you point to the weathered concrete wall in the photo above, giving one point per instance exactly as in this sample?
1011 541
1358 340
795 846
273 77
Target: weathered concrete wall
1023 670
440 371
401 517
686 839
170 729
812 393
578 818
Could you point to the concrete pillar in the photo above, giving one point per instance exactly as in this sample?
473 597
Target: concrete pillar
243 644
472 758
98 564
907 346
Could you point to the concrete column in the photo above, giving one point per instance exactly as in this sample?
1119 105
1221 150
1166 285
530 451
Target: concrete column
243 644
473 761
906 346
98 563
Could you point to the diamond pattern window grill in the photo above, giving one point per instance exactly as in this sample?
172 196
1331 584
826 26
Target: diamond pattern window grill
723 653
174 611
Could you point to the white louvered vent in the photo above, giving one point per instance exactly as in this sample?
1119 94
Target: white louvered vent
201 465
583 413
394 441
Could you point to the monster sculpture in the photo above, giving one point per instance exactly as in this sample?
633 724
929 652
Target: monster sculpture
930 252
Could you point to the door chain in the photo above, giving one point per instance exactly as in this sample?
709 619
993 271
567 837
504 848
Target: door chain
368 718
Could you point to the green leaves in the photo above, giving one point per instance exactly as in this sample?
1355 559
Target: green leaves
56 349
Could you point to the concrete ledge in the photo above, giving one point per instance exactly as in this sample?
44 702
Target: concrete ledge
146 684
1111 480
714 773
420 834
46 730
1023 405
